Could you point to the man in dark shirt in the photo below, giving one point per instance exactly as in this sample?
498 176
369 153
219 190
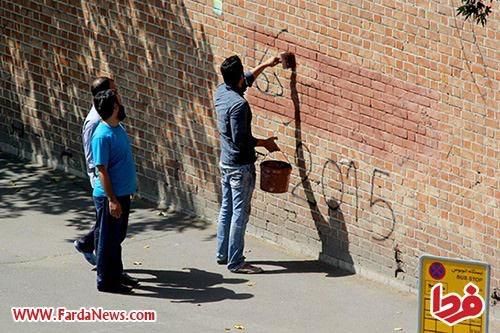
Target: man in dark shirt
237 159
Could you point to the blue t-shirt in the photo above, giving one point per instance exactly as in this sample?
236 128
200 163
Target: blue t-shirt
111 148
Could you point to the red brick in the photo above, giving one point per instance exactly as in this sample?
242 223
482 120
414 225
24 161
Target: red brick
383 97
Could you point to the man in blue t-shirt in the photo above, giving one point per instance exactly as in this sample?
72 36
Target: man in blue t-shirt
86 243
112 154
234 123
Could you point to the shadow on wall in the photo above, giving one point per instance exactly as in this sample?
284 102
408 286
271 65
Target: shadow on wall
331 229
162 64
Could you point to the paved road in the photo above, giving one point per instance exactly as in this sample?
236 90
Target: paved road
42 211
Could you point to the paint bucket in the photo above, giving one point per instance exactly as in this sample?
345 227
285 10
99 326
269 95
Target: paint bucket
275 176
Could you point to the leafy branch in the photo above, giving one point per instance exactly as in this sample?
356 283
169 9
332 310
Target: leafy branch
476 9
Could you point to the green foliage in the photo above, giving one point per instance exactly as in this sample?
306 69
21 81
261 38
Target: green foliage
476 9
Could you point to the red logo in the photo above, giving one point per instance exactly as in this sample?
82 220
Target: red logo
452 309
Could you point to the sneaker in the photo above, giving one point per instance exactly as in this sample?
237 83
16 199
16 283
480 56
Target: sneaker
246 268
89 256
117 289
222 261
129 281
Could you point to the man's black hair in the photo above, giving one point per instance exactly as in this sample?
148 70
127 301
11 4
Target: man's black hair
104 102
100 84
232 70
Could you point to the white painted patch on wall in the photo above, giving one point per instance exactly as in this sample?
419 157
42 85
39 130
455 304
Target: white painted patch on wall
217 7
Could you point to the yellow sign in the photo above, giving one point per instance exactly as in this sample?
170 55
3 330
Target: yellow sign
453 296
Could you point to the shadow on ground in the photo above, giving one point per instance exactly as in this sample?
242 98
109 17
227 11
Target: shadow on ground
30 188
27 188
300 266
191 285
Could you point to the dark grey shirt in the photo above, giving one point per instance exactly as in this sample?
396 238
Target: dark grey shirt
234 123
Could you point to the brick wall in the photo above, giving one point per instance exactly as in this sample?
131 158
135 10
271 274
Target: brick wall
391 120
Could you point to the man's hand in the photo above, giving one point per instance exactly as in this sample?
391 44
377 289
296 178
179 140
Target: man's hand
273 61
270 145
115 209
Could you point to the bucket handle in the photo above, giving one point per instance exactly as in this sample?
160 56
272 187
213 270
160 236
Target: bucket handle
282 153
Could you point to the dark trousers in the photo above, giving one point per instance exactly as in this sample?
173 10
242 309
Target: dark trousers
88 242
109 235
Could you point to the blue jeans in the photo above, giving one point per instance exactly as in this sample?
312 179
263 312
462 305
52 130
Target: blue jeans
238 184
110 234
88 242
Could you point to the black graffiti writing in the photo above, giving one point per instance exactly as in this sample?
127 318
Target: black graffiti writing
336 203
266 89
